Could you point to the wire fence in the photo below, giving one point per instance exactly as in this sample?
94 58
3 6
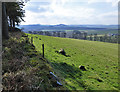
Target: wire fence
41 46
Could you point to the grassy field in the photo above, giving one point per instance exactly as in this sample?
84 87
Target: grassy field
100 60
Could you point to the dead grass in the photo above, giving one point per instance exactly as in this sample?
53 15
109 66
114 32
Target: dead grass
23 67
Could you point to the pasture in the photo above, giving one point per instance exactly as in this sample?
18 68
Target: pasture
100 60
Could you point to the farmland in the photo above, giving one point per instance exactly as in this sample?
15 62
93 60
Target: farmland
99 29
100 60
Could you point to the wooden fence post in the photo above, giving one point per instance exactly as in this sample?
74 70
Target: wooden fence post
43 49
27 40
31 40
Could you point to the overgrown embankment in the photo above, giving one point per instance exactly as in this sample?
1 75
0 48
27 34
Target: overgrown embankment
23 68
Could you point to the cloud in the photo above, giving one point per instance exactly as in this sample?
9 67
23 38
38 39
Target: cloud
93 1
108 18
114 3
56 12
37 6
44 9
109 14
58 16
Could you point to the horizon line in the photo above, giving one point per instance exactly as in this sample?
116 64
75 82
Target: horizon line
70 24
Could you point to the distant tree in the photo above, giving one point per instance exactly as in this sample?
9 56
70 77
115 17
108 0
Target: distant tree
76 34
116 38
95 37
54 34
30 32
35 32
65 34
73 35
40 32
47 33
105 38
98 38
91 37
58 34
88 38
101 38
85 36
108 39
113 40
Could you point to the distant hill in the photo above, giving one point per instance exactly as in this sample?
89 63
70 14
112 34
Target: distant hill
62 27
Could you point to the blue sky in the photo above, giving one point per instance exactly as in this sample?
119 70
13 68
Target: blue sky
52 12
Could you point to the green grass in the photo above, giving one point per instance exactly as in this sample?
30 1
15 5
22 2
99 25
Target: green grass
99 58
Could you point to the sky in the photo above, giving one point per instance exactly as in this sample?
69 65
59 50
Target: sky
71 12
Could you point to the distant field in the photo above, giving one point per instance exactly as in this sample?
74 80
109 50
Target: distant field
99 29
99 58
100 32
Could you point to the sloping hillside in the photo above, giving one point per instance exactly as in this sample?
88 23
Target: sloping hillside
23 67
99 59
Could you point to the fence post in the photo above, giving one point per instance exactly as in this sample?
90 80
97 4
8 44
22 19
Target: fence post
27 40
31 40
43 49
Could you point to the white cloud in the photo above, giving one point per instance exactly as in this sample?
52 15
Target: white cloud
108 18
60 15
57 14
93 1
113 2
114 13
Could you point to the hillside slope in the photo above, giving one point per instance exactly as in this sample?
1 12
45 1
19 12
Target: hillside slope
100 60
23 68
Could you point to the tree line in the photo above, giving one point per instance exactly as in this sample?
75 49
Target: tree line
111 38
50 33
12 15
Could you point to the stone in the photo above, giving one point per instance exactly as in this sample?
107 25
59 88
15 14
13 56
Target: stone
82 68
62 51
99 80
73 65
